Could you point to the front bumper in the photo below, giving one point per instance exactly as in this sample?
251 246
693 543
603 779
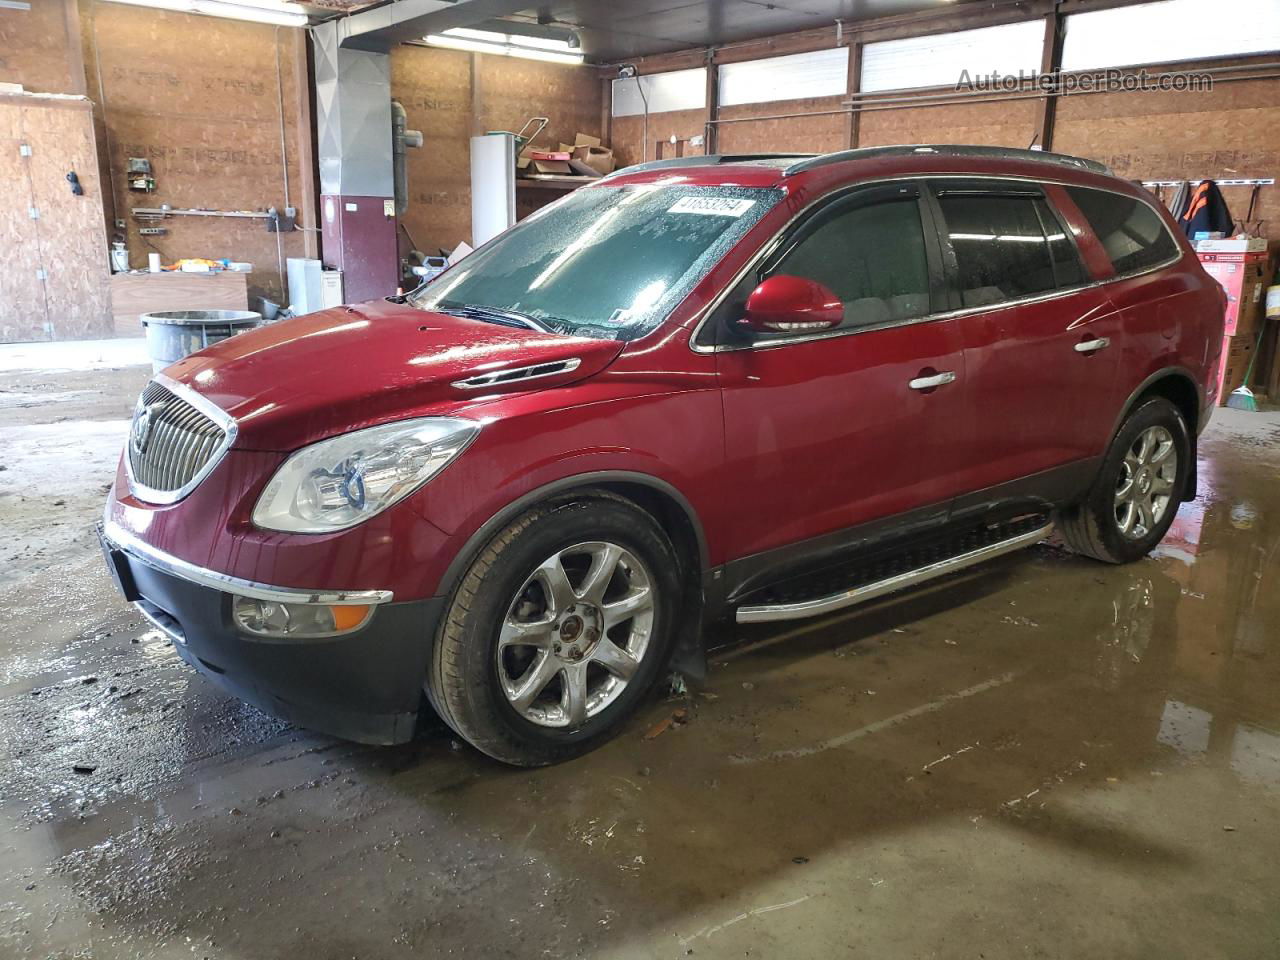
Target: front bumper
364 686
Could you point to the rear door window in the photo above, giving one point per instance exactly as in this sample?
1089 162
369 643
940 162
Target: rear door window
1132 233
1008 244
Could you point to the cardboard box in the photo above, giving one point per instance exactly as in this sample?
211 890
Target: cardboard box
1233 245
1244 277
599 159
586 150
581 167
1236 355
585 157
560 167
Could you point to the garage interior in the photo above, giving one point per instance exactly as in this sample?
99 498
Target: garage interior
1041 756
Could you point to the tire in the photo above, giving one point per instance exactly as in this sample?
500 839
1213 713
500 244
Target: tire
1096 527
512 595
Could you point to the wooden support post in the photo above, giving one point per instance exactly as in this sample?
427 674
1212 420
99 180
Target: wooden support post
75 50
606 111
308 196
853 121
711 110
477 95
1050 64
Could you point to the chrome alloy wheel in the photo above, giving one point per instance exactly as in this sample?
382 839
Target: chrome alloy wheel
575 634
1145 489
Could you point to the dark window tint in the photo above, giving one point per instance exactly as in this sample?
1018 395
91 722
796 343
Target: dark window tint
872 256
1002 252
1067 269
1131 232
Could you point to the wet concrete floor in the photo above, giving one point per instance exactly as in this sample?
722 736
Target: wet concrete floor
1046 757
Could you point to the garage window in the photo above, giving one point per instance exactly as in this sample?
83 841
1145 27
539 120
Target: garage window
945 59
660 92
1133 234
820 73
1170 31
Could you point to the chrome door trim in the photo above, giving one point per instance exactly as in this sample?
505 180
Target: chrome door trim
770 246
143 552
768 613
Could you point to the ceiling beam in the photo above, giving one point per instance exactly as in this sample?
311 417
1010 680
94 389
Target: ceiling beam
380 29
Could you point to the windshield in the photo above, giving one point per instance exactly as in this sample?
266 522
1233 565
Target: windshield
606 262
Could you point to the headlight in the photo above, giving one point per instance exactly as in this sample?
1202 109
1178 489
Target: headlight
273 620
337 483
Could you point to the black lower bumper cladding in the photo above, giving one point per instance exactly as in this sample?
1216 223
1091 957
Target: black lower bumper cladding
364 686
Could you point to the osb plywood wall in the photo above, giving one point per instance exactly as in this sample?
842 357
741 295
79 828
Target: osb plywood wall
627 137
451 96
40 48
1006 124
202 98
822 133
1230 132
54 281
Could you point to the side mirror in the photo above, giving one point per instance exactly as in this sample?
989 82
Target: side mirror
787 304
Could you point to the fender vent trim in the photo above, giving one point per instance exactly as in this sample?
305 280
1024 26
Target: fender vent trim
496 378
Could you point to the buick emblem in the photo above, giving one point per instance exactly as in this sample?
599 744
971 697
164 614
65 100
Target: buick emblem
143 422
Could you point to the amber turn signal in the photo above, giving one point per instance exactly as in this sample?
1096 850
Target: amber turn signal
273 620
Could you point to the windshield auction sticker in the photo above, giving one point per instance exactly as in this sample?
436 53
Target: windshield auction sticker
714 206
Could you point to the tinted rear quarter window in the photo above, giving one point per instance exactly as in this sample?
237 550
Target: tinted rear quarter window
1133 234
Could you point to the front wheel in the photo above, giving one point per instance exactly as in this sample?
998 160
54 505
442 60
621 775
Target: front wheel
1136 495
557 630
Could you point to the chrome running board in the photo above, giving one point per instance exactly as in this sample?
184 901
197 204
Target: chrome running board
767 613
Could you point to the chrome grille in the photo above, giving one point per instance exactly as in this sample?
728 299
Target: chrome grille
175 439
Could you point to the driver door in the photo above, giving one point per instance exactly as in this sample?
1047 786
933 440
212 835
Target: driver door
829 431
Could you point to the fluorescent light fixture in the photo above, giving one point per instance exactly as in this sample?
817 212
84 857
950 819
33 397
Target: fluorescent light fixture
259 11
506 45
513 39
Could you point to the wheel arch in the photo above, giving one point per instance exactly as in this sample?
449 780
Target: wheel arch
1178 386
673 511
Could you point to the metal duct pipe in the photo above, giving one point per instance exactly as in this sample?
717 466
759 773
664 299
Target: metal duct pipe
401 137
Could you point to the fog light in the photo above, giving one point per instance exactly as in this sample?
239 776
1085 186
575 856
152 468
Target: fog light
298 621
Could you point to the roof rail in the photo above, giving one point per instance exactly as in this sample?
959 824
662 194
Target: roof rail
711 159
952 150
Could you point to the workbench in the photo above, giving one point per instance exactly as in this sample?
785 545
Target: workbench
133 294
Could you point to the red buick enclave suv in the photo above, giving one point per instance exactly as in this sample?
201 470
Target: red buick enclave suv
763 386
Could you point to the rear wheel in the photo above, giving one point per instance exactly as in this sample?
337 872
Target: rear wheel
556 631
1136 495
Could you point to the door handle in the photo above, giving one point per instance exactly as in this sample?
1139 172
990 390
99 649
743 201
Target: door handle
937 380
1089 346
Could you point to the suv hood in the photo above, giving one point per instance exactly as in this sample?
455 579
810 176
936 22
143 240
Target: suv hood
322 374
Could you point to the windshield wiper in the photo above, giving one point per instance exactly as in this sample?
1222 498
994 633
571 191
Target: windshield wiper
507 317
